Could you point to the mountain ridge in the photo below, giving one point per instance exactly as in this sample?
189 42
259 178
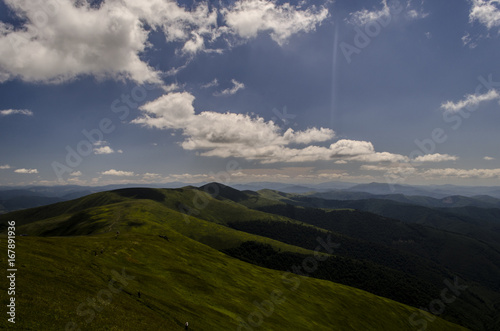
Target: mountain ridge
156 210
135 231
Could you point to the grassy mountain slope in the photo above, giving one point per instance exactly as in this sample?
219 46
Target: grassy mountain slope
179 280
466 257
149 210
138 215
178 276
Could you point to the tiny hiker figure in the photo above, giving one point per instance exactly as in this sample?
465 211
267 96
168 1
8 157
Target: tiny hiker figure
186 326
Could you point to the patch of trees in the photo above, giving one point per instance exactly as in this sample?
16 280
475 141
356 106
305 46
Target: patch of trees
306 237
364 275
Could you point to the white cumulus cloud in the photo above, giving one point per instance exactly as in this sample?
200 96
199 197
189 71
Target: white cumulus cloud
251 137
486 12
102 147
113 172
103 150
60 40
436 158
247 18
26 171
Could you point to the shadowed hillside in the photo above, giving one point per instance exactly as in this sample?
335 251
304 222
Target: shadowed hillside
180 271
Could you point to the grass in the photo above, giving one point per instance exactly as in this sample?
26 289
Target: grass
182 278
179 280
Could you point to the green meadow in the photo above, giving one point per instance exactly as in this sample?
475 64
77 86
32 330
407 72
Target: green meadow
164 269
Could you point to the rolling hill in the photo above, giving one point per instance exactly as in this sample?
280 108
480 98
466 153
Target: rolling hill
172 243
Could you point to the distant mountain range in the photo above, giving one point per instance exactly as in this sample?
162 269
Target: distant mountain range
16 198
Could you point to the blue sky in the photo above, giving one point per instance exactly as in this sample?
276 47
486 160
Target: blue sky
251 90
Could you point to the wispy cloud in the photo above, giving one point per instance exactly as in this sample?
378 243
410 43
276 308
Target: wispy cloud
414 14
386 11
7 112
365 16
463 173
26 171
488 158
172 87
283 174
411 163
408 171
5 166
213 83
231 90
468 41
470 101
396 168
